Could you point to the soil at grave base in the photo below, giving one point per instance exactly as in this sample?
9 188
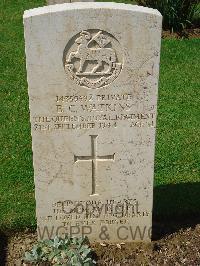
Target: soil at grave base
187 33
181 248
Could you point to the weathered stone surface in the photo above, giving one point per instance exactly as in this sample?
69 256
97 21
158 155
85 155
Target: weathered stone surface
93 78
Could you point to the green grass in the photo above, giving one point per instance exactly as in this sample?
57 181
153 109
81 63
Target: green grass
177 168
16 182
178 131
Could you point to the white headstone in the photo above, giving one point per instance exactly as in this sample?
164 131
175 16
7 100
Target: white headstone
93 82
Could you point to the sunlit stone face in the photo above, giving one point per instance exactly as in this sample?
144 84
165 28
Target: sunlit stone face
93 75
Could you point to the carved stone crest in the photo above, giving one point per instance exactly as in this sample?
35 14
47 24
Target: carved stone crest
93 58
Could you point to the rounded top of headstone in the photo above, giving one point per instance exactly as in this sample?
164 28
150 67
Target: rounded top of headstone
88 5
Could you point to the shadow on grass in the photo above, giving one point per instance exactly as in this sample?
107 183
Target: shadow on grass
3 246
175 207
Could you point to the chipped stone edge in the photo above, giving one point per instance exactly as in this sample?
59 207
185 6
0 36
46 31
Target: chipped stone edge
88 5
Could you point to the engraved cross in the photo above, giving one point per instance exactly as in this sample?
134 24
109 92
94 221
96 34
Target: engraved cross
94 158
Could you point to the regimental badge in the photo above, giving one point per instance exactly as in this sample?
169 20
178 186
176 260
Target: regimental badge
93 58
